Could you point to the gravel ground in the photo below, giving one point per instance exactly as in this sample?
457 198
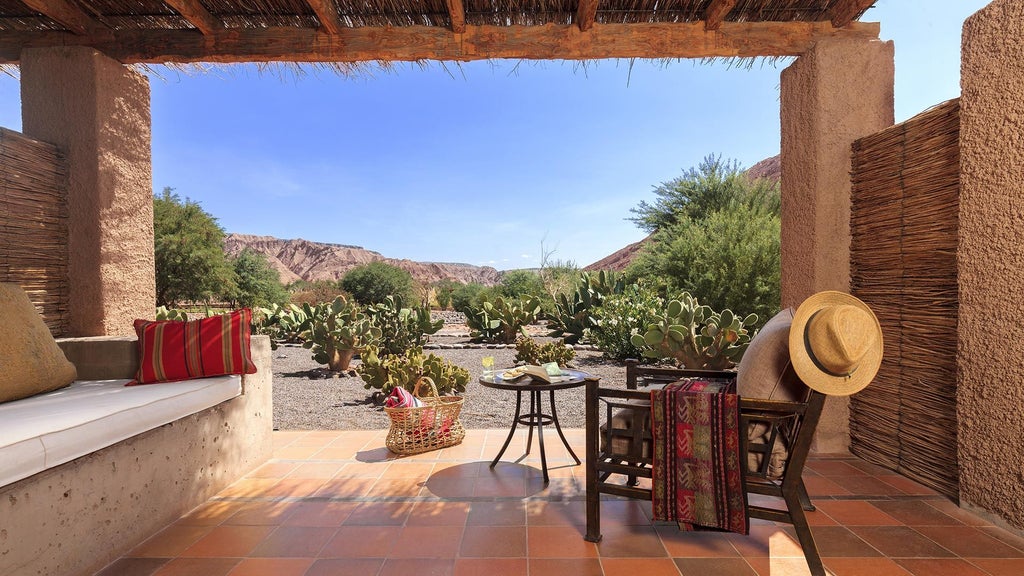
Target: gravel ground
308 397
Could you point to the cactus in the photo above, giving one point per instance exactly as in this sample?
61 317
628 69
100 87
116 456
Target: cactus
384 372
502 320
402 328
337 331
573 317
531 352
165 313
695 336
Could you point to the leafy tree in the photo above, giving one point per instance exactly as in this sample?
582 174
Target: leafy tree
316 292
256 281
728 260
515 283
470 296
189 252
713 186
443 290
372 283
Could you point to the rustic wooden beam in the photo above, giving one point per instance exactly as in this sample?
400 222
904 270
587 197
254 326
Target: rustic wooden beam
845 10
66 14
716 13
327 13
197 15
411 43
586 13
457 12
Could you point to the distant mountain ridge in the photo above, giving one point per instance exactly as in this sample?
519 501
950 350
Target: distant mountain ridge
298 259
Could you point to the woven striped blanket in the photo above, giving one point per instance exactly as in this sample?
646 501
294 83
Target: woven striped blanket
697 473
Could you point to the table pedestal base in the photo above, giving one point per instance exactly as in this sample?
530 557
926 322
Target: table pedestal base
535 418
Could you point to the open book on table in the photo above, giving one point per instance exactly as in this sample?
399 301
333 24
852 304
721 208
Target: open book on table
548 373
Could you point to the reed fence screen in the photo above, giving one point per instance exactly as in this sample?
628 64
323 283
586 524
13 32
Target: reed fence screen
904 222
34 227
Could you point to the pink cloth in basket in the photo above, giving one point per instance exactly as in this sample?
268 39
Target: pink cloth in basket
402 398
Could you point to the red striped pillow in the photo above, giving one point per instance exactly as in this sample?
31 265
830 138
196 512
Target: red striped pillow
174 350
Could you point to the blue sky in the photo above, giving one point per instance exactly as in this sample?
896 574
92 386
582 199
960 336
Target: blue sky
485 162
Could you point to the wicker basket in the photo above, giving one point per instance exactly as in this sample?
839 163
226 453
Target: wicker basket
434 425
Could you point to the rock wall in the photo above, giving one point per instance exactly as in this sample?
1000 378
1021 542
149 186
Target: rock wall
299 259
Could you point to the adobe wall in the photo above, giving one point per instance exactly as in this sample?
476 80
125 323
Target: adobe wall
838 91
990 262
76 518
97 112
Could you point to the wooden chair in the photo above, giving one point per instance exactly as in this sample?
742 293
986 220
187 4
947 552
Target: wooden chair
620 450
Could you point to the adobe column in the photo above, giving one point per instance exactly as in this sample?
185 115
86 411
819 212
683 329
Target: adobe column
97 111
990 263
838 91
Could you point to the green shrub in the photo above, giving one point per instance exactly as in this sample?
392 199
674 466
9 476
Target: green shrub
530 351
463 297
313 293
623 315
402 328
516 283
695 336
372 283
443 290
503 319
384 372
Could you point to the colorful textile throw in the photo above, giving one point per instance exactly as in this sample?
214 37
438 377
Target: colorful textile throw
402 398
171 350
697 477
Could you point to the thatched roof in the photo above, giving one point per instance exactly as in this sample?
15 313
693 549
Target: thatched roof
347 30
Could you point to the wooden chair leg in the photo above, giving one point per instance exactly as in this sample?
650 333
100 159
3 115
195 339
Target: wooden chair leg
805 500
593 496
803 530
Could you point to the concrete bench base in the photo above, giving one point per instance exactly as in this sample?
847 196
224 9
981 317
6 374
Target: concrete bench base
76 518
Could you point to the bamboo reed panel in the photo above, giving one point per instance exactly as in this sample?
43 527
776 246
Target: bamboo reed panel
34 229
904 222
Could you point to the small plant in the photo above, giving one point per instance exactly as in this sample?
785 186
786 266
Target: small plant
695 336
284 323
503 319
530 351
574 315
337 331
165 313
620 316
402 328
384 372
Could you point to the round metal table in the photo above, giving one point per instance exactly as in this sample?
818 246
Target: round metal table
536 418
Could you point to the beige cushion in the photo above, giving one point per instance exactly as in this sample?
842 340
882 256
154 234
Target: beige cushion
31 361
766 373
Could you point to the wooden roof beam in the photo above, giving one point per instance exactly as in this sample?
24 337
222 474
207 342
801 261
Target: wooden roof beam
716 13
586 14
197 15
845 10
66 14
327 14
457 12
412 43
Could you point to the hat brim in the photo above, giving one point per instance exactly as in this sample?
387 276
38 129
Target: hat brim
805 365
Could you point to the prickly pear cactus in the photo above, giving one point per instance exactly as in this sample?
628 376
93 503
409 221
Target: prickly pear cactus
384 372
502 320
695 336
337 331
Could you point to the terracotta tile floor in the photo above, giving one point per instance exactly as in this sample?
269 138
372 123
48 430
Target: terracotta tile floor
338 503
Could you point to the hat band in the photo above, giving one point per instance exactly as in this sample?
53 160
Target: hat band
814 359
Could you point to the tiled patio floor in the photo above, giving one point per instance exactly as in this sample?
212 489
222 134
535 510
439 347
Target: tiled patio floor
337 503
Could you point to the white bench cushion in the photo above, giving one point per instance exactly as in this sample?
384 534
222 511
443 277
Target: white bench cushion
50 429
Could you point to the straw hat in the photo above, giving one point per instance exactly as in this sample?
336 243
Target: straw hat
835 343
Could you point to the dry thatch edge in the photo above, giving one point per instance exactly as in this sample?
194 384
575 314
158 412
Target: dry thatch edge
368 70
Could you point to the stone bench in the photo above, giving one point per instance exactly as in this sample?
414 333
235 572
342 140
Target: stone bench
89 471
